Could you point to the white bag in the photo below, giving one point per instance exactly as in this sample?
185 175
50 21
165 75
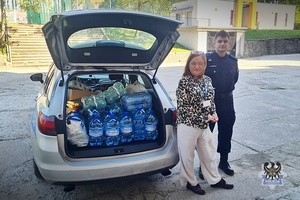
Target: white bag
76 130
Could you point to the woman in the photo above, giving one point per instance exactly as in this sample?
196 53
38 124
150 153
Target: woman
195 108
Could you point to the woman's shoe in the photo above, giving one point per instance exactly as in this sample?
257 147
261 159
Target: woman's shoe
222 184
196 189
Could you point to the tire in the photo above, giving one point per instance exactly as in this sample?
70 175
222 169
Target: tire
36 170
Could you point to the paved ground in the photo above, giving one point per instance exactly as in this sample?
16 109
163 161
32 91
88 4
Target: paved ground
267 129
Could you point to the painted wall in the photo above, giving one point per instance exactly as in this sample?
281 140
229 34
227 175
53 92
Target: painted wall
266 16
213 13
217 14
189 38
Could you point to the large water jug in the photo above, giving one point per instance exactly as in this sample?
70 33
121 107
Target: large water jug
126 128
116 109
106 117
112 131
139 124
151 126
96 136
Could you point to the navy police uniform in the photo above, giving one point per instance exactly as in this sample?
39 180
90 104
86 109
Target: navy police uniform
224 74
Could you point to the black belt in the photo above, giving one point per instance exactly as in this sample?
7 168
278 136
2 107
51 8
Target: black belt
223 95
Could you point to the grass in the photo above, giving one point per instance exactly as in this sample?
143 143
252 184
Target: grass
268 34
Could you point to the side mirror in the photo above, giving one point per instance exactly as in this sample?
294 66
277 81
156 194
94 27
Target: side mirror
37 77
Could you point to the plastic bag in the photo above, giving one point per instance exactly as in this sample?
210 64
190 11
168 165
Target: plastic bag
111 95
132 101
119 88
135 87
76 130
94 101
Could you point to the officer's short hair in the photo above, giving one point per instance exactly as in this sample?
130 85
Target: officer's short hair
222 33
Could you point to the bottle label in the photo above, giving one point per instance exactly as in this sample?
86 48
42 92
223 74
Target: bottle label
150 127
126 129
112 132
95 133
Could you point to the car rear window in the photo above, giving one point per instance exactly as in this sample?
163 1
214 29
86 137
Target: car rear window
111 36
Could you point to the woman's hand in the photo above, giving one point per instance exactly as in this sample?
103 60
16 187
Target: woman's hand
213 118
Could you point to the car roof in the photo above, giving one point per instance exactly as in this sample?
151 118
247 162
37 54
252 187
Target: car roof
109 52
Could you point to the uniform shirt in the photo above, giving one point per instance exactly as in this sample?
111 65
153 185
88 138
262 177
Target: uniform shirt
223 71
190 95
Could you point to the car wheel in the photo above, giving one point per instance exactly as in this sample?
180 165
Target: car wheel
36 170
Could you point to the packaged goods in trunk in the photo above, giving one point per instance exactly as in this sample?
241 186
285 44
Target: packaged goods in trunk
75 94
114 92
94 101
112 119
132 101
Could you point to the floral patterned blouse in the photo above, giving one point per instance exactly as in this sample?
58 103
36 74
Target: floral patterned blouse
191 94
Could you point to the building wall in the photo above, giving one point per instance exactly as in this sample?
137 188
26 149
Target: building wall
188 38
217 14
266 16
213 13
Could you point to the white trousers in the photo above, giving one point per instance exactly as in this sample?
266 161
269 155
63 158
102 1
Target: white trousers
189 140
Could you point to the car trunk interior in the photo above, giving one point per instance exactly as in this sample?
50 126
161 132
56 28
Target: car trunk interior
84 84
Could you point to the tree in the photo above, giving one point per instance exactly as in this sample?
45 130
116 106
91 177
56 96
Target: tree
33 5
3 16
159 7
108 4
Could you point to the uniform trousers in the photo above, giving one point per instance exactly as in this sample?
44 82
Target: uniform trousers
226 114
189 139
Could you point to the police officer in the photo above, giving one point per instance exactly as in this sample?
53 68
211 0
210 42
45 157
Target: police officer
222 68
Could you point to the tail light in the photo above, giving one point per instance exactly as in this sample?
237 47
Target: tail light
174 116
46 124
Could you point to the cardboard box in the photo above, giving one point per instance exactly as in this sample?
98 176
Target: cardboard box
74 94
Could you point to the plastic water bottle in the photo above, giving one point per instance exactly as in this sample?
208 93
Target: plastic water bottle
139 124
151 126
106 118
126 128
91 114
112 131
96 136
116 109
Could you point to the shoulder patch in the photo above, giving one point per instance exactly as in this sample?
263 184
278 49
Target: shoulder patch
209 56
232 57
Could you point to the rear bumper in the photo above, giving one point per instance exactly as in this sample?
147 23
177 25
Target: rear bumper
55 169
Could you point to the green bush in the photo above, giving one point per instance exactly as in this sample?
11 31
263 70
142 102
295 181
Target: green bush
297 26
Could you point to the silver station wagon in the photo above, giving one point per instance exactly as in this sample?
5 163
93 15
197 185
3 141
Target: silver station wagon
104 64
